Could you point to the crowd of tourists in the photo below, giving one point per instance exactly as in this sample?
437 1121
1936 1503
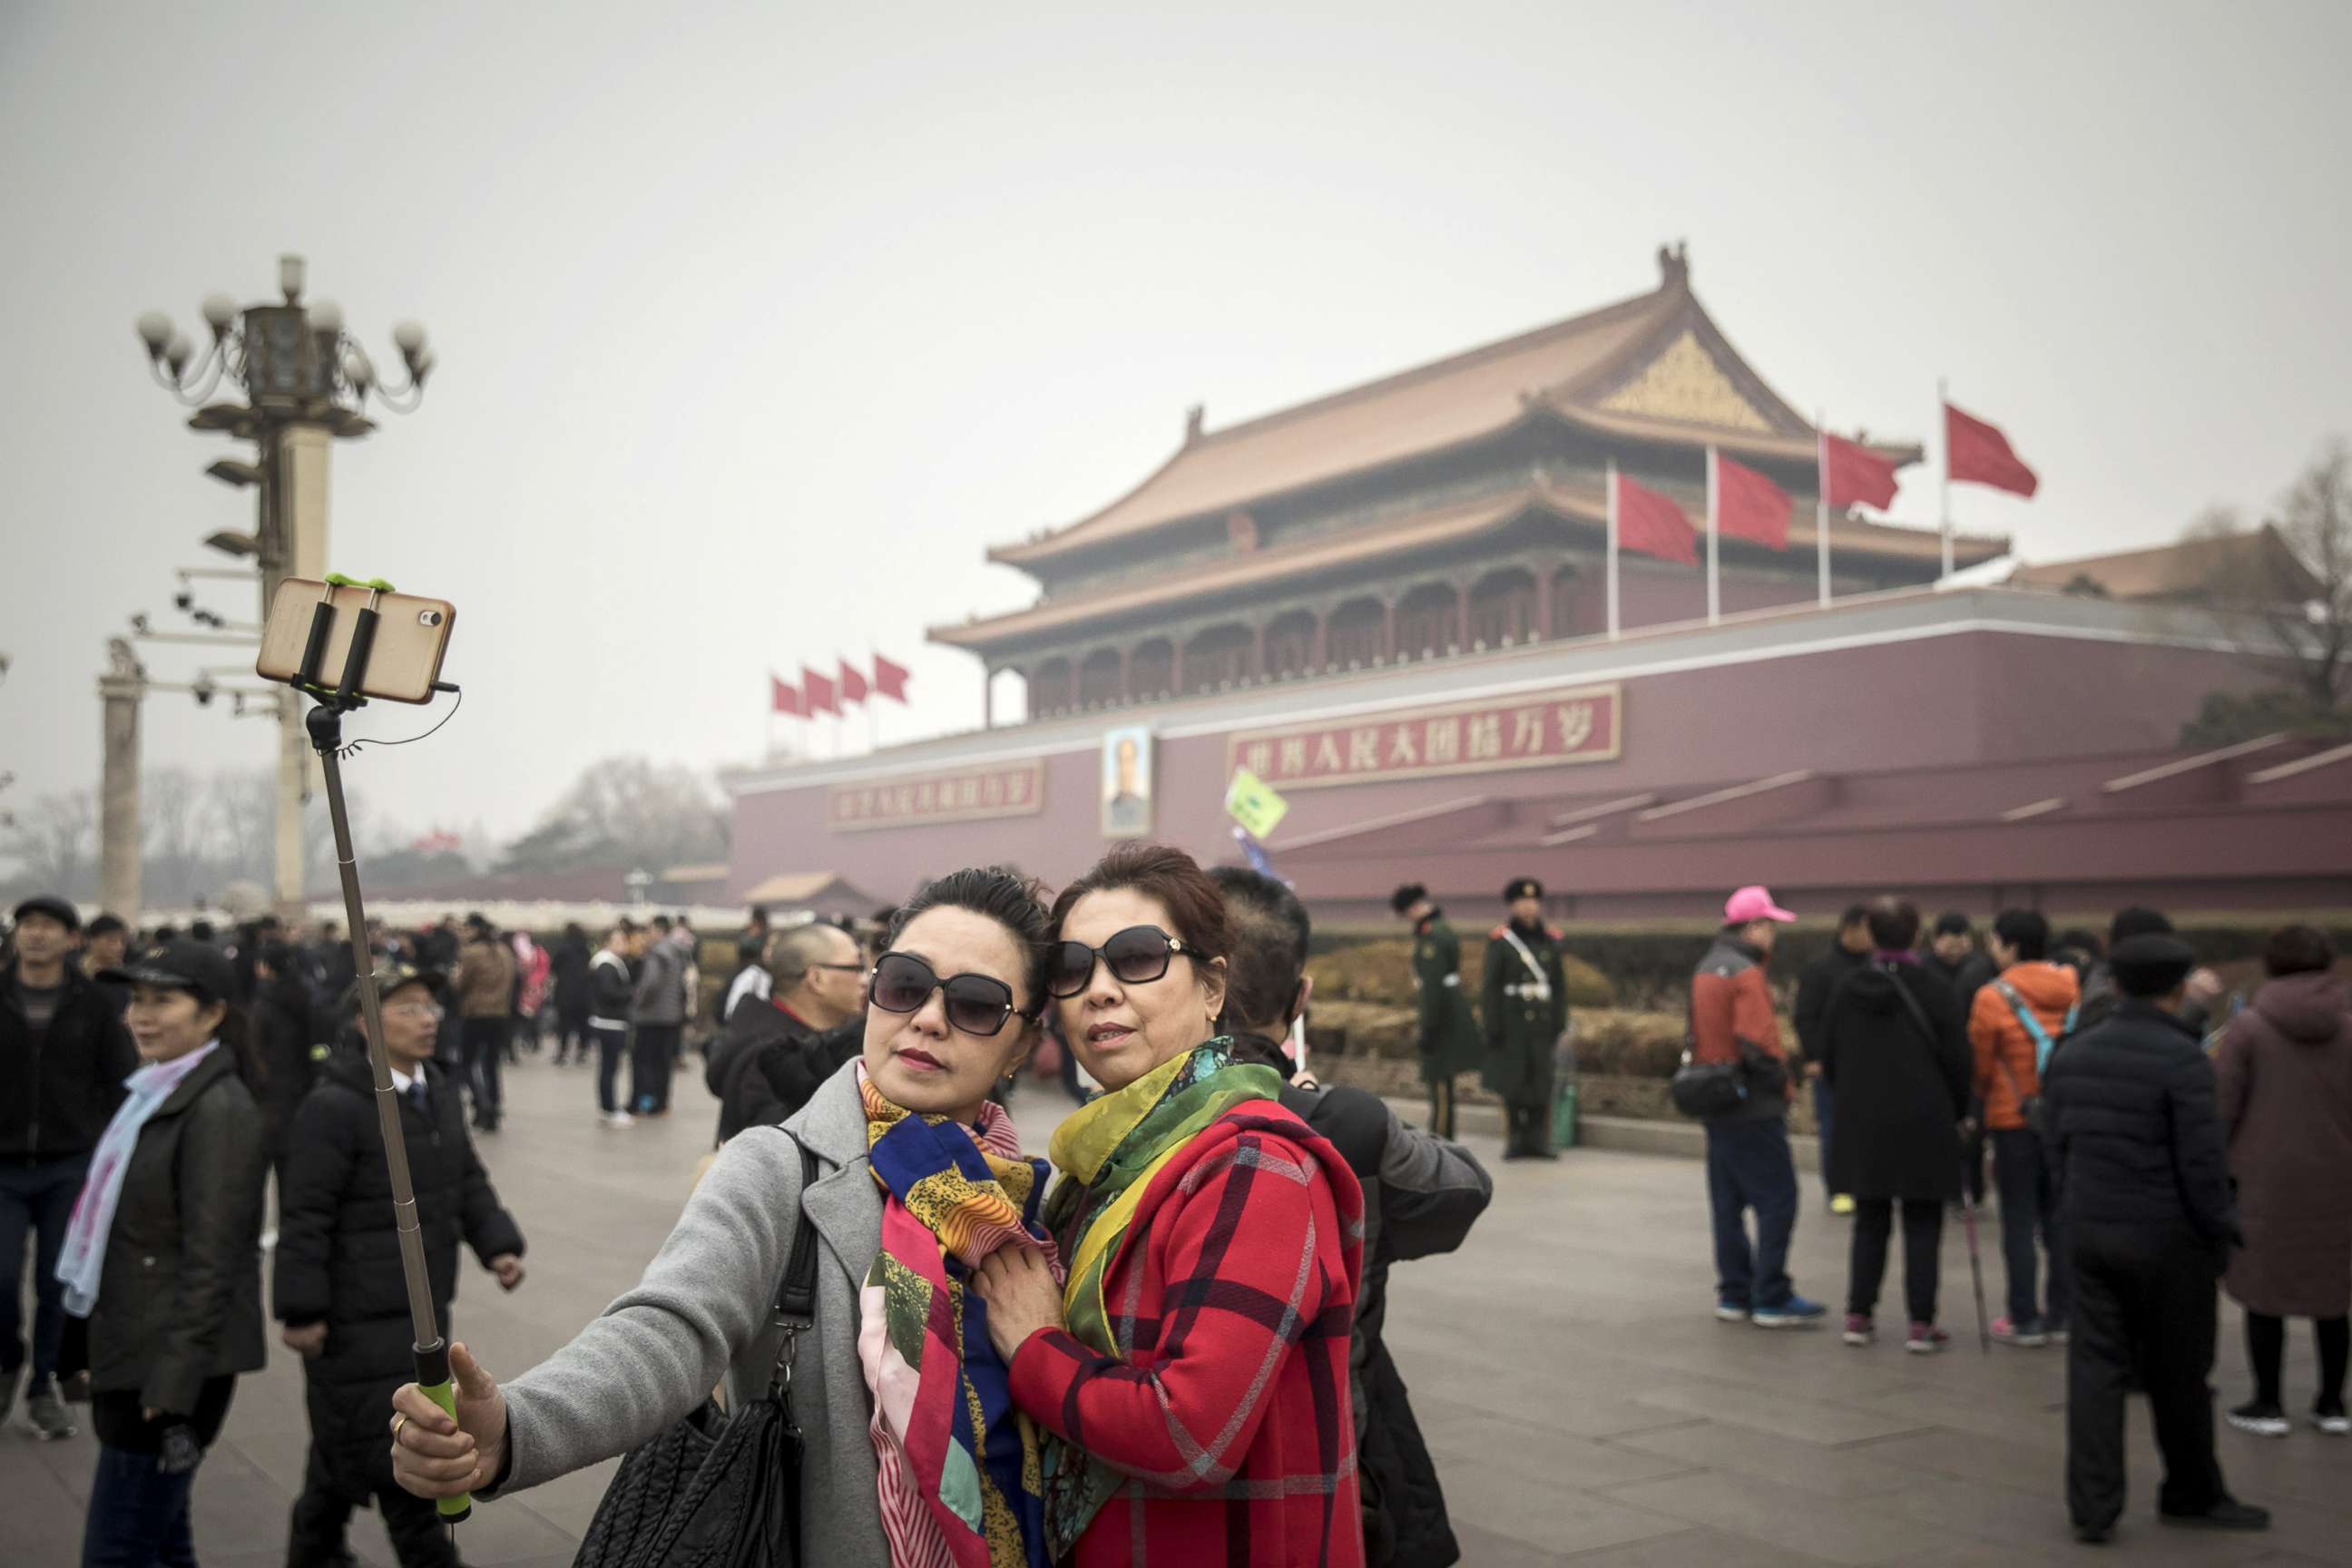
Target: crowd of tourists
1174 1351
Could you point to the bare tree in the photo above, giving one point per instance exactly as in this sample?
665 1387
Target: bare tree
625 811
171 807
2285 590
54 841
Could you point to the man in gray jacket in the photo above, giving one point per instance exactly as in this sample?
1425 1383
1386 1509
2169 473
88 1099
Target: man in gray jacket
661 1018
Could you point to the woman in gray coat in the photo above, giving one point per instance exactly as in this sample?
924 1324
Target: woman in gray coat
954 1007
2285 1075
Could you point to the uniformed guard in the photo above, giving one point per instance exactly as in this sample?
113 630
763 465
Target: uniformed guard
1448 1039
1526 1003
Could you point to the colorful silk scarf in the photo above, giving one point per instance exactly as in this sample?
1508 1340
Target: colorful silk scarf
1108 1152
961 1477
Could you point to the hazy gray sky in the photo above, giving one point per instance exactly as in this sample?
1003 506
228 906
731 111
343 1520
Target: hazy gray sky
757 324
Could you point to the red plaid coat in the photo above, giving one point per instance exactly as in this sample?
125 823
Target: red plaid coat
1236 1288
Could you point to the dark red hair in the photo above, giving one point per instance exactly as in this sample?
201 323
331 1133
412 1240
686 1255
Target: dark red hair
1195 904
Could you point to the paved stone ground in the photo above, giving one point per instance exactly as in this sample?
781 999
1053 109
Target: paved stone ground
1583 1405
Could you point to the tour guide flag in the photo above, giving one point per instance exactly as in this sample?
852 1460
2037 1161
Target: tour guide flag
853 685
818 693
889 680
1252 802
784 697
1749 506
1851 472
1653 525
1978 453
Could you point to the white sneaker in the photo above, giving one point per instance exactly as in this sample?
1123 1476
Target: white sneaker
620 1119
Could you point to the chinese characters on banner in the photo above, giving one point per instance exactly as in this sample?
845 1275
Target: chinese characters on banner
1539 729
961 795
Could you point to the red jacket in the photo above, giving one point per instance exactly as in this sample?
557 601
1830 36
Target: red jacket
1244 1254
1731 1007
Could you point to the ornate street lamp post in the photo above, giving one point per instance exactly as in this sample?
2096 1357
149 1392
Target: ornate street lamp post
305 383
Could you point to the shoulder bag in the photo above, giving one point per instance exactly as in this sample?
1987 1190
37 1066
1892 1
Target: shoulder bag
2029 1105
718 1490
1704 1090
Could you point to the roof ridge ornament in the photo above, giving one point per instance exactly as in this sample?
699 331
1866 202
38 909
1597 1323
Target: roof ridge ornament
1192 418
1673 265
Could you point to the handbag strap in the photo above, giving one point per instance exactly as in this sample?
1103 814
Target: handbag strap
797 1296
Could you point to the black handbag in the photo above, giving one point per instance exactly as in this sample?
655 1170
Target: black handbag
718 1490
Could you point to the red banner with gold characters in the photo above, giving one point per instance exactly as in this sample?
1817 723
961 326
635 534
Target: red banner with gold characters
1538 729
959 794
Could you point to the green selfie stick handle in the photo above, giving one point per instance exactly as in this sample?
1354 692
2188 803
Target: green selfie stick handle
432 1377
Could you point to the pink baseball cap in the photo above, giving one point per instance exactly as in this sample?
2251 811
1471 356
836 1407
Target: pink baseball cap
1753 904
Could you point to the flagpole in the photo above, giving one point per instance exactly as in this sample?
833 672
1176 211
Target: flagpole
1612 548
1944 418
1714 585
1822 500
873 700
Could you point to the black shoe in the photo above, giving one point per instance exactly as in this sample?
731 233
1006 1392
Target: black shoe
2227 1514
2094 1534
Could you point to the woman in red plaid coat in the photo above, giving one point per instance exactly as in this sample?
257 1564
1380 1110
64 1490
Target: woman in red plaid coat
1191 1376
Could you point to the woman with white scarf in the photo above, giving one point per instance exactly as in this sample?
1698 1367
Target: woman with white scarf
163 1255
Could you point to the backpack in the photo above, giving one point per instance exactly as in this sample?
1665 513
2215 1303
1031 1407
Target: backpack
2029 1105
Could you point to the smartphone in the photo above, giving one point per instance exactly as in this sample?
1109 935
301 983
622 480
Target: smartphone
412 633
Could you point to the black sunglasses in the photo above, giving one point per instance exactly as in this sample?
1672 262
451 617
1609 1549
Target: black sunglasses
1135 956
976 1003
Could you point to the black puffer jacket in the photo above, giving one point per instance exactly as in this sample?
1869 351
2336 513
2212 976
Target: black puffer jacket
2131 1110
339 1253
1902 1078
1422 1195
180 1300
57 1098
771 1062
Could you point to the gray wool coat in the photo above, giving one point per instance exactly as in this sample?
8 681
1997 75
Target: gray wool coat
702 1311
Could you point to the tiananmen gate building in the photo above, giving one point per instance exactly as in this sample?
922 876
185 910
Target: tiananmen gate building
1389 604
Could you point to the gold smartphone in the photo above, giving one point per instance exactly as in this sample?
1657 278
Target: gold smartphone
411 634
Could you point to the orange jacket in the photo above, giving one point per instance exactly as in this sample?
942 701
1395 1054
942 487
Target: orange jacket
1732 1006
2001 1040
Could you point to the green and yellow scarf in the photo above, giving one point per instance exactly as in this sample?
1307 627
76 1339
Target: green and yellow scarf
1108 1152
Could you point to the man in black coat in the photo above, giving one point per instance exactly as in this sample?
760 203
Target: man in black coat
1422 1195
340 1290
777 1049
64 1054
1890 1042
1849 953
283 1024
2136 1131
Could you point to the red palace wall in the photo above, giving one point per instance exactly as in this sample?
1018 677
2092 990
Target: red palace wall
1928 738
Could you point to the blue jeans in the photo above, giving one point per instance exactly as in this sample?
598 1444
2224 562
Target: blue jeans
1749 1167
138 1515
38 1201
2023 1174
1825 1119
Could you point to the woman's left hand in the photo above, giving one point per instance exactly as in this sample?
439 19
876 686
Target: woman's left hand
1022 1297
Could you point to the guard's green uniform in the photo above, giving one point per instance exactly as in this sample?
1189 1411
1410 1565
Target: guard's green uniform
1526 1007
1449 1039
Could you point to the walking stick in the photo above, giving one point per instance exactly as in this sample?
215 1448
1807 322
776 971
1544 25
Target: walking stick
325 724
1976 1274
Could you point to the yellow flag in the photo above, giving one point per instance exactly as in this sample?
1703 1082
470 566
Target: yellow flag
1251 800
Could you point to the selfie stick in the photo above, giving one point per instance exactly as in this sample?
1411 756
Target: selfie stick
325 723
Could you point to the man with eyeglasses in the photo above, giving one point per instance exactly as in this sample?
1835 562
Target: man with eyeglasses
338 1288
778 1048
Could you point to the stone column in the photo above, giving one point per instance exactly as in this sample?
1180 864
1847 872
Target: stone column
121 690
1388 629
1175 666
294 544
1462 616
988 696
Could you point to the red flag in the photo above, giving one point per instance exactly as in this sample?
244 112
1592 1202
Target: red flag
1851 472
817 693
889 680
784 697
1654 524
1749 506
1978 453
852 684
